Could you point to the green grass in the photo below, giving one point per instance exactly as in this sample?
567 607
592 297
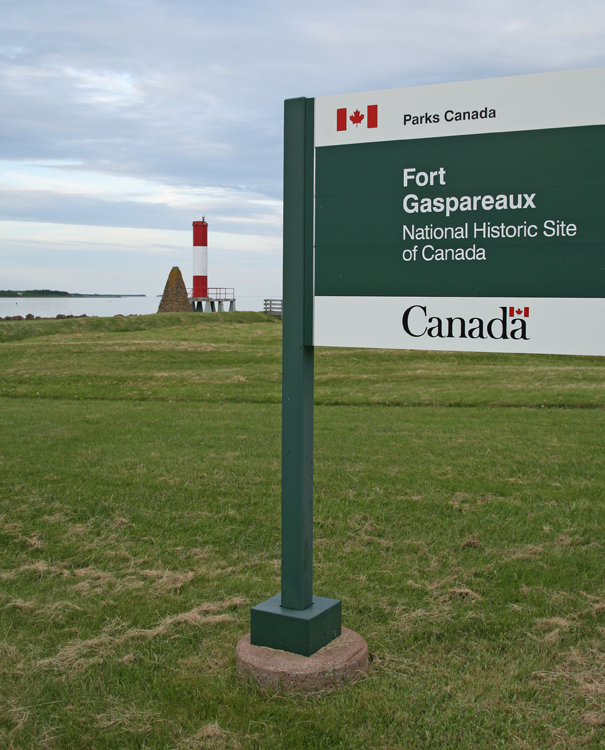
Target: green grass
458 515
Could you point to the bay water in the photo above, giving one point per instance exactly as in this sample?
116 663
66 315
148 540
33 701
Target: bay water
102 307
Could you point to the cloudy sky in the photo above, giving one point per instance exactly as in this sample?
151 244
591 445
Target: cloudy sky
122 122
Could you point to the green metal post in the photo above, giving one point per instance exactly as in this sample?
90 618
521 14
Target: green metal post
296 620
297 364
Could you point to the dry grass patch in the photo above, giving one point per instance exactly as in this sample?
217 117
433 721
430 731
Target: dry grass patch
12 528
91 573
566 541
79 654
125 718
211 737
43 569
8 655
167 580
162 581
586 669
14 715
60 517
527 552
365 531
596 604
55 611
21 605
593 718
407 621
555 626
461 592
33 542
559 622
43 612
581 674
222 569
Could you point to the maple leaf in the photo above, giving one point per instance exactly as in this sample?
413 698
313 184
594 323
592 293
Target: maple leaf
356 117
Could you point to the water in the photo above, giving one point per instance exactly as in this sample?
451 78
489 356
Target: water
50 307
104 307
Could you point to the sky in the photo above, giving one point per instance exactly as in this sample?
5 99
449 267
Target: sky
122 122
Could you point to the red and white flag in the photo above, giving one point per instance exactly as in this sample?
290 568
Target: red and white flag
517 312
357 118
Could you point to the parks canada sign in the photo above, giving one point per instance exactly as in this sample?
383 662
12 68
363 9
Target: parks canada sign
465 216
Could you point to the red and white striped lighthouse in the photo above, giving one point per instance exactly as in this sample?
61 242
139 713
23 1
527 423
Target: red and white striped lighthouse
200 258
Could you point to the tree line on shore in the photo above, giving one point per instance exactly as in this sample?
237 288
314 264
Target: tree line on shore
34 293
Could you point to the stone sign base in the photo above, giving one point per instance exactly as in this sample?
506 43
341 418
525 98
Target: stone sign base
340 662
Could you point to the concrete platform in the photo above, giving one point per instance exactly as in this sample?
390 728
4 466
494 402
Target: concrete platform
340 662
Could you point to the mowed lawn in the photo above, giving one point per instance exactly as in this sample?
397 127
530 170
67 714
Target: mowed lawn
459 515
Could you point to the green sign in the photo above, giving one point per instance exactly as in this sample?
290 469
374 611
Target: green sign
465 216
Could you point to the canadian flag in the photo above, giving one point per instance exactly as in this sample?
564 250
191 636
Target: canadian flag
517 312
357 118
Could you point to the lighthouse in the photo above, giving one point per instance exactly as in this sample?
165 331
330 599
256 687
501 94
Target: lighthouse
203 297
200 259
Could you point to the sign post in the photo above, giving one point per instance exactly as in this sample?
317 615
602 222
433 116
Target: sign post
295 620
464 217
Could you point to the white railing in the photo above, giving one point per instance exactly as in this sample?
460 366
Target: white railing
217 292
273 307
221 292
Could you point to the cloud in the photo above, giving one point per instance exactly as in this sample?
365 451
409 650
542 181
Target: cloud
147 113
192 91
67 194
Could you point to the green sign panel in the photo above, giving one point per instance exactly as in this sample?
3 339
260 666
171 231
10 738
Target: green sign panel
491 215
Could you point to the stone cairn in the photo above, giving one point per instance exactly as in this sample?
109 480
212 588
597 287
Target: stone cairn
175 297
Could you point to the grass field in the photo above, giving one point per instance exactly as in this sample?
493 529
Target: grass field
459 505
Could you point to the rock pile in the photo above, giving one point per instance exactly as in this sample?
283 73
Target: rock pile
31 316
175 297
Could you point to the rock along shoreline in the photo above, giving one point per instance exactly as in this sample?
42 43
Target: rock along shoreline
60 316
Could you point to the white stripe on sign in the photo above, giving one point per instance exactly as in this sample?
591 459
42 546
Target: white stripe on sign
533 102
480 324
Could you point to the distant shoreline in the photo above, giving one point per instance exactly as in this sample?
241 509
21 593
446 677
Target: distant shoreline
9 294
